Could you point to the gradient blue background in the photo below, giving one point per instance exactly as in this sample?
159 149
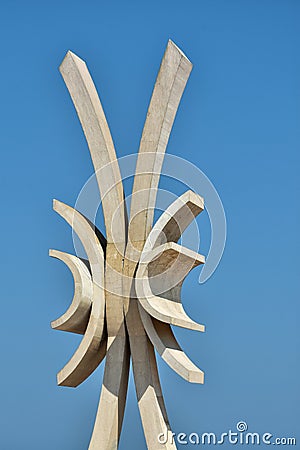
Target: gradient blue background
238 121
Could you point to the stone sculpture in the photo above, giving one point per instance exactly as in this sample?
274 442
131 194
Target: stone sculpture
128 297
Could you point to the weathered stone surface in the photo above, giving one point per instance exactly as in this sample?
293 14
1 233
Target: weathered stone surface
124 307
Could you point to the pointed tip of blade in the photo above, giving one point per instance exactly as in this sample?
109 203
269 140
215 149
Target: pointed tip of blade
55 204
196 376
189 324
172 44
70 56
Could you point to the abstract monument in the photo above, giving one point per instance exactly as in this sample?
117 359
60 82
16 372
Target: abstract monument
128 295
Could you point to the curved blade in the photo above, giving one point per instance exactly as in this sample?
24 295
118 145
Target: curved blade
170 83
92 348
75 319
164 341
171 263
91 115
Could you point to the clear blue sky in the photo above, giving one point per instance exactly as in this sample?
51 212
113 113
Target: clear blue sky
238 121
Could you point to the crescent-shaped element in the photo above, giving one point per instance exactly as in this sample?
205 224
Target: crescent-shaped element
75 319
175 219
92 348
164 341
158 290
91 115
170 83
